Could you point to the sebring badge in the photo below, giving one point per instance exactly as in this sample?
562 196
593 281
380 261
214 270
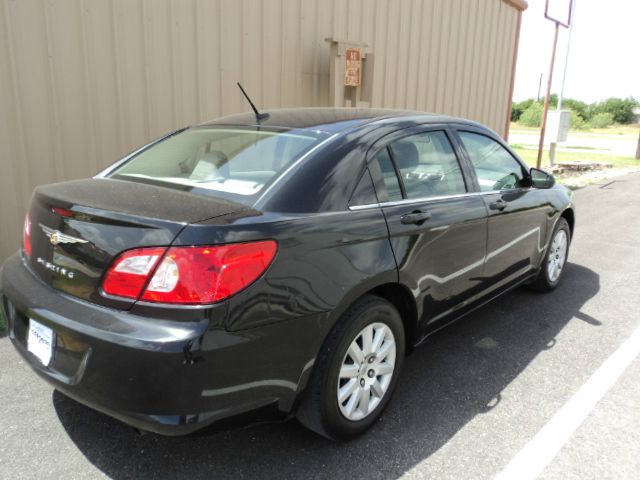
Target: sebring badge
56 268
56 237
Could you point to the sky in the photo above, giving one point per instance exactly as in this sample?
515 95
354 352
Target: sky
604 59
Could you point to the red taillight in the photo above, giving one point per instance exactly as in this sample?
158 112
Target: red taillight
128 274
188 275
26 236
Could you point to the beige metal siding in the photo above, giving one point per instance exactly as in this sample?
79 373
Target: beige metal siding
82 82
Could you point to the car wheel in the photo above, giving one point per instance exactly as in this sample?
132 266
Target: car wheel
356 371
555 258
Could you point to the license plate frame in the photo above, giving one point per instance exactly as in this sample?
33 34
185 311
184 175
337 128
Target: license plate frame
41 342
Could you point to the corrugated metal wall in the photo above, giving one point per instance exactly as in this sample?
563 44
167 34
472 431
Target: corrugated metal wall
82 82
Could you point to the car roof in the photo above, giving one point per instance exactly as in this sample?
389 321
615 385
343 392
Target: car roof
331 120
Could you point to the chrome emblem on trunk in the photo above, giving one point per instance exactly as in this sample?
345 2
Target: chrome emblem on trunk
70 274
56 236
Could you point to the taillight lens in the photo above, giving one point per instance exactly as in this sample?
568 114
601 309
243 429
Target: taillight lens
188 275
128 274
26 236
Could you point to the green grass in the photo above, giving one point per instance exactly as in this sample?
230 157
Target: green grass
530 156
3 324
625 130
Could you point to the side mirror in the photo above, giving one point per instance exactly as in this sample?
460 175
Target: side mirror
541 179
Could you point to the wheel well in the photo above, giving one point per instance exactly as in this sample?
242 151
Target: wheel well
402 299
569 216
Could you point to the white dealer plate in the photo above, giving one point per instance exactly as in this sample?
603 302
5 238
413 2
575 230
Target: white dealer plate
40 341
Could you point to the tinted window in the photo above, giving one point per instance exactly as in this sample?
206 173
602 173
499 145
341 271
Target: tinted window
495 167
428 165
238 161
389 175
364 194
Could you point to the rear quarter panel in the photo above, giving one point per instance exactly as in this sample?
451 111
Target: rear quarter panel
324 262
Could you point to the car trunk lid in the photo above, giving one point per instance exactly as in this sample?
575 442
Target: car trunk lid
79 227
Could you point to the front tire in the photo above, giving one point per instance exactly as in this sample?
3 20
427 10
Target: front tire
356 371
555 258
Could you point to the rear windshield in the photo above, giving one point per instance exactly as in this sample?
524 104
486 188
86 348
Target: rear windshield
231 162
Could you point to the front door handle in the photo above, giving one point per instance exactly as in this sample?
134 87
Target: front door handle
416 217
499 204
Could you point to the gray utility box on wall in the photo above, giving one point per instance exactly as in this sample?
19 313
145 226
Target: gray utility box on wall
558 126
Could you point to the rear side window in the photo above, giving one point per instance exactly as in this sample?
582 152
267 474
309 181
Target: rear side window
428 165
235 160
495 166
364 194
394 192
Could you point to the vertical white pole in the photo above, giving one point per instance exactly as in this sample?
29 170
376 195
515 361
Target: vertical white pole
566 58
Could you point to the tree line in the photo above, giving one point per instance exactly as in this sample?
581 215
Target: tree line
584 115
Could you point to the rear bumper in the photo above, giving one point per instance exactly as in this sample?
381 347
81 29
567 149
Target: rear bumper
168 377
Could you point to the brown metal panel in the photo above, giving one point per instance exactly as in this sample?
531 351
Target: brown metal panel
520 5
72 153
252 52
12 198
461 57
340 14
272 45
379 53
186 65
422 84
495 108
404 50
504 67
83 81
208 59
471 12
231 59
31 63
412 80
289 85
324 19
391 67
489 42
103 85
435 51
509 93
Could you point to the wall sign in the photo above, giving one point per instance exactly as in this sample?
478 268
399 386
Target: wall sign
353 70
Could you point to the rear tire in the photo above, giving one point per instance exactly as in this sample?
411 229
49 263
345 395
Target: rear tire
365 387
555 258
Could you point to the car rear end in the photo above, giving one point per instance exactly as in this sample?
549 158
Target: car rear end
104 304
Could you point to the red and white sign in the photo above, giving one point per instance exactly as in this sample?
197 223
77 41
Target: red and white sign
353 70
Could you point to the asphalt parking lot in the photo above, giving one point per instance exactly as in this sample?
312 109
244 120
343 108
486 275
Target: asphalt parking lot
553 378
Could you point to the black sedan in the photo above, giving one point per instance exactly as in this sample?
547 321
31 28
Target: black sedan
275 265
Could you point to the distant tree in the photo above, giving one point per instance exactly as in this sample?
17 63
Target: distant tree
532 116
580 108
601 120
620 108
576 121
517 109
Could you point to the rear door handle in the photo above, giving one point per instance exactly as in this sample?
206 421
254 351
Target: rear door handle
499 204
416 217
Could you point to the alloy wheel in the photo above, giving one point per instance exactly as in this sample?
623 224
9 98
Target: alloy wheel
557 255
366 371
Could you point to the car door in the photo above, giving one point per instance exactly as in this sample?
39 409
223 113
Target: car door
437 229
517 212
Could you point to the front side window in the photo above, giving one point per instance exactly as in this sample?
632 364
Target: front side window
495 166
238 161
428 165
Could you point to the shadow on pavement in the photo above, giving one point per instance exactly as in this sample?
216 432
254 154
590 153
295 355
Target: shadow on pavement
457 374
